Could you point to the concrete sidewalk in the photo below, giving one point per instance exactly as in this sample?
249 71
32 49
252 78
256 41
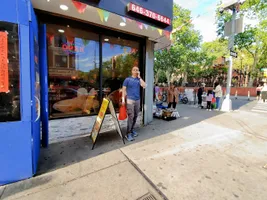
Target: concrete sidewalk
203 155
108 176
219 158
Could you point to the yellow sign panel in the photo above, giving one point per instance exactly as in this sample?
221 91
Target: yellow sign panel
99 119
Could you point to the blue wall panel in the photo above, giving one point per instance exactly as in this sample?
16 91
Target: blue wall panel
15 152
16 137
44 84
8 11
35 89
163 7
23 14
25 75
15 11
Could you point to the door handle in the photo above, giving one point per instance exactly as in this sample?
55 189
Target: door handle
39 109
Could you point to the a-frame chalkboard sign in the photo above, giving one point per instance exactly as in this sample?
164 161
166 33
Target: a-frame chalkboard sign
106 103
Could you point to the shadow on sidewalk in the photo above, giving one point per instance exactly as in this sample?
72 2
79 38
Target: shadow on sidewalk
65 153
68 152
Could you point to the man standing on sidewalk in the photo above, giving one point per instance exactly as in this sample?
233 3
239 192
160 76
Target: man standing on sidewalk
131 87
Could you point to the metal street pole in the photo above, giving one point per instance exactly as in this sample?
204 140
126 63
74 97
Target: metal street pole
227 103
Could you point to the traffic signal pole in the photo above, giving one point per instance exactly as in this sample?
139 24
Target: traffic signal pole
227 103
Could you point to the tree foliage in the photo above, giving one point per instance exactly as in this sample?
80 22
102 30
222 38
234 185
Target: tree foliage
189 60
254 38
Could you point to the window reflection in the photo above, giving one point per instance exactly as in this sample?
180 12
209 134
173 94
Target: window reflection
73 58
119 56
9 73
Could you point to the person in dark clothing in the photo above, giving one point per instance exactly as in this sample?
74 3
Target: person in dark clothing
113 83
199 94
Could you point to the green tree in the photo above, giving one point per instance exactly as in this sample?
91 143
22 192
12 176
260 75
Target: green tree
180 59
253 39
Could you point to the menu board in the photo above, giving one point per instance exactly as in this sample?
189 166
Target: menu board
115 119
100 118
4 82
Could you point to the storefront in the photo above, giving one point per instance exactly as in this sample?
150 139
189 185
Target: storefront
79 52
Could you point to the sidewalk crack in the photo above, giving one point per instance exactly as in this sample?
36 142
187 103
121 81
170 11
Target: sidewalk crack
145 177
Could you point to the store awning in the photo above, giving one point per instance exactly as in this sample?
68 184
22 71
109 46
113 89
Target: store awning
106 19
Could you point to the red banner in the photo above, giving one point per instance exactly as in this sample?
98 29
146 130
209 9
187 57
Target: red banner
79 6
3 63
167 34
50 37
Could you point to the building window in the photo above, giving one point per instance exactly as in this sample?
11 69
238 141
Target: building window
119 56
74 71
9 73
73 59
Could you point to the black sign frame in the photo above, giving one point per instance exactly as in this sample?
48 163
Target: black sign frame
98 123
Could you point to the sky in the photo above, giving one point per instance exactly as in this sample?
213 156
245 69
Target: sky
205 23
85 60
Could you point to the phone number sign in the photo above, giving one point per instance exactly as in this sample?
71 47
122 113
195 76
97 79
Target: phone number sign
148 13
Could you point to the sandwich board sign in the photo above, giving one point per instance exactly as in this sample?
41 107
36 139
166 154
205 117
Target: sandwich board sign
106 103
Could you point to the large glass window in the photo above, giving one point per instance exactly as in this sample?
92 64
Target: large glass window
119 56
73 59
9 73
74 55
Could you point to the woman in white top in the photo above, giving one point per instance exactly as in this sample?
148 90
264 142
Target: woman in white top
264 92
218 94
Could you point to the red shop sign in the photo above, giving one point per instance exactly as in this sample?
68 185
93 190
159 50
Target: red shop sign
3 62
148 13
72 48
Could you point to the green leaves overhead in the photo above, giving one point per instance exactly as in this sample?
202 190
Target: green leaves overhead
187 58
253 41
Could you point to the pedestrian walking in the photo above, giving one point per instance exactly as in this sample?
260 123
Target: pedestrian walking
131 88
172 96
264 92
209 99
258 90
157 91
218 94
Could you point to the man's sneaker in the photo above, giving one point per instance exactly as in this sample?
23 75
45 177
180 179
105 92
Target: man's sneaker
134 134
129 137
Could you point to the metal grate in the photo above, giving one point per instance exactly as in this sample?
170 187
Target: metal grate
147 196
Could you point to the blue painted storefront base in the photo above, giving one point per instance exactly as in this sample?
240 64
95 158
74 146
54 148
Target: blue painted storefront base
20 141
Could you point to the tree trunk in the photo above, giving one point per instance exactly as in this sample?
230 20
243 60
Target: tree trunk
185 79
168 76
157 76
253 69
